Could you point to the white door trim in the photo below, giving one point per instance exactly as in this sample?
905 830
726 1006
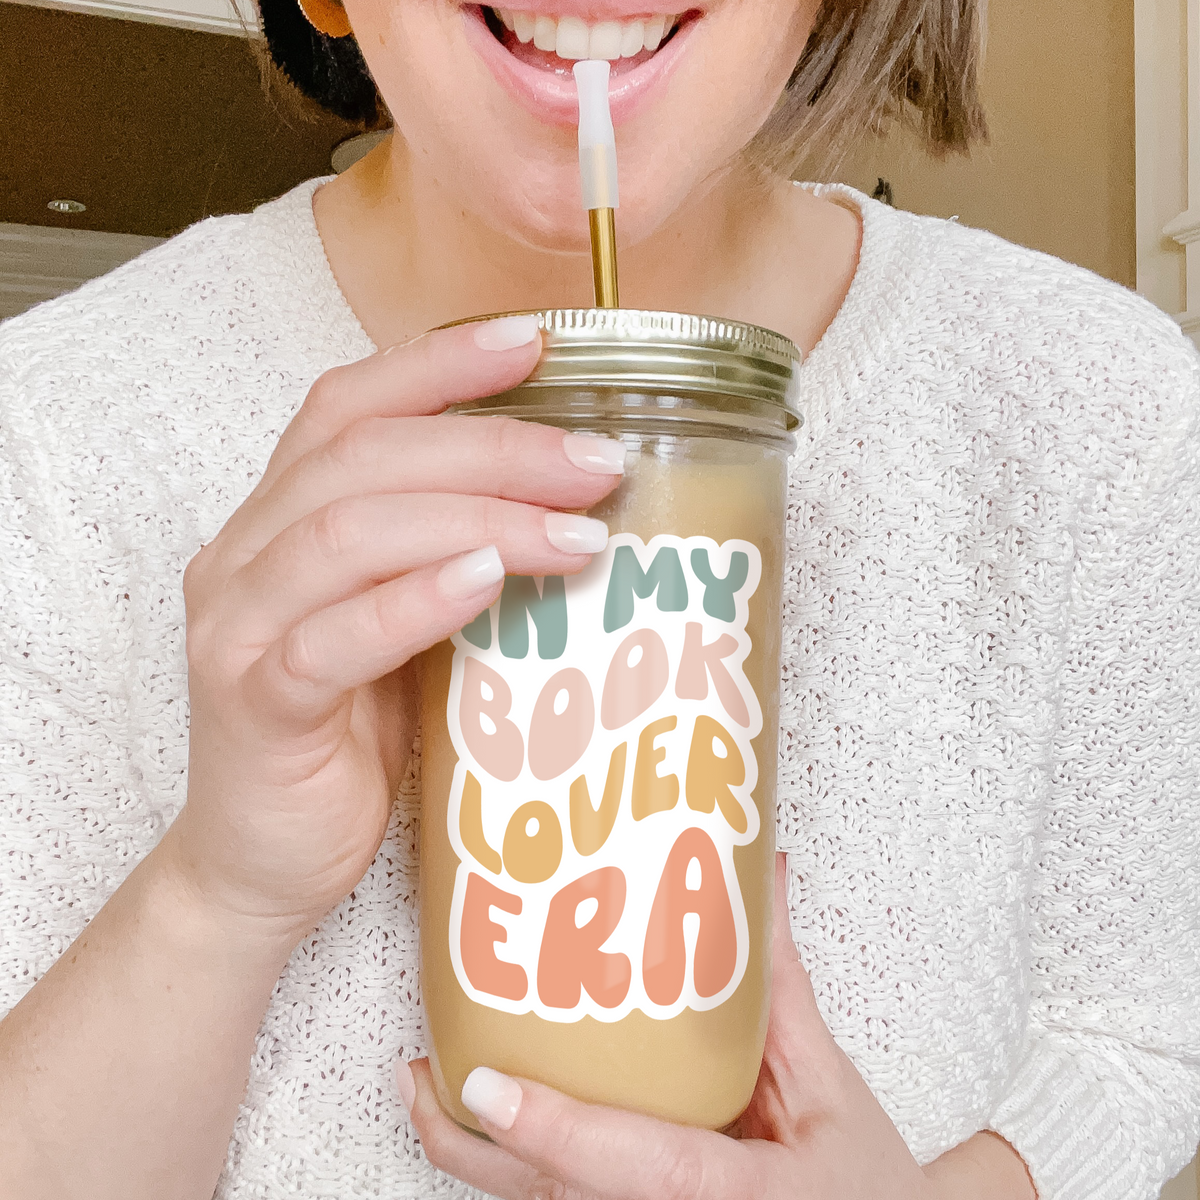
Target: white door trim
1167 59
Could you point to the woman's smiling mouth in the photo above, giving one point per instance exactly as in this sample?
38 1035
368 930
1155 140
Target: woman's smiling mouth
528 34
531 54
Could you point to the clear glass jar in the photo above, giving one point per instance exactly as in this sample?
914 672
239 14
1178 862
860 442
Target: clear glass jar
599 752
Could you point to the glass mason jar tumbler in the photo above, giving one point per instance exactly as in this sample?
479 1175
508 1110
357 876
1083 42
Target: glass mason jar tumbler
599 751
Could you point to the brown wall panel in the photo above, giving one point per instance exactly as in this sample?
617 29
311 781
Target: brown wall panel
151 127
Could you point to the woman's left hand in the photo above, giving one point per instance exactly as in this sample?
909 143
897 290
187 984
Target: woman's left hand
812 1130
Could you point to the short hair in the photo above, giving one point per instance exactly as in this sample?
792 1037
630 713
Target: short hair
867 62
329 70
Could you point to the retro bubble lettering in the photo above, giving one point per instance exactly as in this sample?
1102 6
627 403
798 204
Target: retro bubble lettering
604 728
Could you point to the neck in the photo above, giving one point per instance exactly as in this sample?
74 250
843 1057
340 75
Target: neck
407 259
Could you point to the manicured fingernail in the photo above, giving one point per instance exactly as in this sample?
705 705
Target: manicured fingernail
506 333
492 1097
576 535
406 1083
600 455
470 574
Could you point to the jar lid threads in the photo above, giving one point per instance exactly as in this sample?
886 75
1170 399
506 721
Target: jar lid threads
682 354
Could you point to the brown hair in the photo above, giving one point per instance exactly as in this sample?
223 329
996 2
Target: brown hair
866 62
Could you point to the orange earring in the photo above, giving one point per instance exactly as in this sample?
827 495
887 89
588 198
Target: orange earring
327 17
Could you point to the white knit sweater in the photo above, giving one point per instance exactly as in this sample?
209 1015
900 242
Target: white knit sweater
991 689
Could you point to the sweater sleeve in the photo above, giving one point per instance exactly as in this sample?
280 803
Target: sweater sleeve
1105 1102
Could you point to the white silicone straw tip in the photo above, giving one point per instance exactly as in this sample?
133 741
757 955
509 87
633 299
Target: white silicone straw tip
595 120
597 142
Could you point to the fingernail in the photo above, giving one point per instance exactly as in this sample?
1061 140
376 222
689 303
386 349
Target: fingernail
599 455
470 574
492 1097
506 333
576 535
406 1083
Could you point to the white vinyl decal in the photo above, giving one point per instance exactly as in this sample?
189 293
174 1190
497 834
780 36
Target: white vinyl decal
603 725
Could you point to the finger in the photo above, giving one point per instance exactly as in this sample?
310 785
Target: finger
607 1153
783 943
495 456
792 997
362 541
801 1062
420 377
452 1149
298 680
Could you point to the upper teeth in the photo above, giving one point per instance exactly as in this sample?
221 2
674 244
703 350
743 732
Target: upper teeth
572 37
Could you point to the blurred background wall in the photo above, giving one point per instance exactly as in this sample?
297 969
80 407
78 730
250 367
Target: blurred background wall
1058 174
148 126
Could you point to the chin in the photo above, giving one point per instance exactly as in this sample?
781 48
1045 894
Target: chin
539 206
566 233
514 164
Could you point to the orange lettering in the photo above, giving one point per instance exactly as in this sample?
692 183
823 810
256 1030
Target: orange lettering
571 958
533 842
479 935
652 792
711 779
591 826
664 960
470 825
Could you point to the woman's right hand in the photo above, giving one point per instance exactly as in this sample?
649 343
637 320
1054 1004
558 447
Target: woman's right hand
381 526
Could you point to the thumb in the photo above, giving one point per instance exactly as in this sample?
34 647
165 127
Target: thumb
793 1003
800 1054
606 1153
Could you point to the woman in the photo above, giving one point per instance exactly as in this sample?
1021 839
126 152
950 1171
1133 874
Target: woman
991 712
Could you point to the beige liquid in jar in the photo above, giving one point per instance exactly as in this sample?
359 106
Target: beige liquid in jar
573 1011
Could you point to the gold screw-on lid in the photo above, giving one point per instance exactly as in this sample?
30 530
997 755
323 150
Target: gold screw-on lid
680 354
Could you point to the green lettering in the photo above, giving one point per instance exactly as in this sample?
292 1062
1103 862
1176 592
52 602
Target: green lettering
521 600
628 579
719 593
479 632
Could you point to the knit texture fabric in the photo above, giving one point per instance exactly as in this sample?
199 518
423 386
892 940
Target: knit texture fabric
990 711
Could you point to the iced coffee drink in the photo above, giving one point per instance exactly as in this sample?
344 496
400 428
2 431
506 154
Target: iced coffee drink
599 751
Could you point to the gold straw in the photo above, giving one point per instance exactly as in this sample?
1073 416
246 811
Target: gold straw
598 174
604 256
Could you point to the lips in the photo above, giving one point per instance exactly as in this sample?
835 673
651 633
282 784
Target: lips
541 80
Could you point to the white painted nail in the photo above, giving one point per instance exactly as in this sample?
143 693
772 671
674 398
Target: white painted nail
599 455
492 1097
506 333
470 574
576 535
